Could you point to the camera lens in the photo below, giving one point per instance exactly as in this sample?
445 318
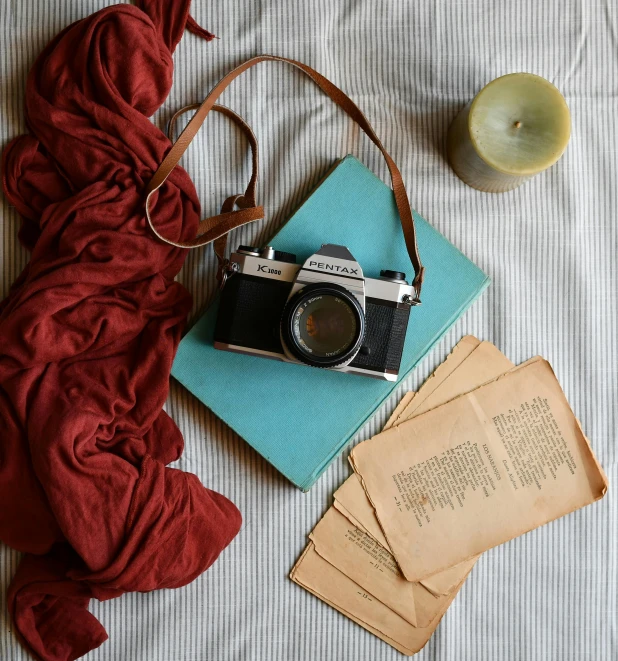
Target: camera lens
323 325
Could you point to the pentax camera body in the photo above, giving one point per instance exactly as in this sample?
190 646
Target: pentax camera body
324 313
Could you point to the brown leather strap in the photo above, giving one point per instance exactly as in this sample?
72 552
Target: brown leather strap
245 201
224 221
249 195
214 228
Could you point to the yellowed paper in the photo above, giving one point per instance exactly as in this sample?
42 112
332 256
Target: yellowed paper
470 364
305 573
365 561
352 519
405 400
351 497
479 470
351 492
369 564
460 353
484 363
326 582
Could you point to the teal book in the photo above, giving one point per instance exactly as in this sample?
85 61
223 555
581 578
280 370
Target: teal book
300 418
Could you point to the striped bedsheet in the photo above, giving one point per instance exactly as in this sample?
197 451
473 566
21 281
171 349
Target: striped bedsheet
550 247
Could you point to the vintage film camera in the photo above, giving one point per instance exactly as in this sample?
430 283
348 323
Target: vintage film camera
324 313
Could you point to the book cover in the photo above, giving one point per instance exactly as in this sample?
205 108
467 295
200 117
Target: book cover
300 418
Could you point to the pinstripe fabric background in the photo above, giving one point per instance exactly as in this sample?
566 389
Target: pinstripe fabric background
550 248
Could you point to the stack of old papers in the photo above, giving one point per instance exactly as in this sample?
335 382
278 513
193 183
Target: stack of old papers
483 452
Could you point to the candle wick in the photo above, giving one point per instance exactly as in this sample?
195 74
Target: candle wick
517 124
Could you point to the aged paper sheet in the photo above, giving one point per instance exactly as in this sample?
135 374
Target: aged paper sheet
479 470
471 364
403 402
330 585
371 566
484 363
351 499
351 491
462 351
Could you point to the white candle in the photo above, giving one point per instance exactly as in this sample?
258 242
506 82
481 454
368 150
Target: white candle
515 127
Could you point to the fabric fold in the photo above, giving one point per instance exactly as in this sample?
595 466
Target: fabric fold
89 332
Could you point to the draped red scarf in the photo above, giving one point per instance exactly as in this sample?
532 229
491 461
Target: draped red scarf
88 334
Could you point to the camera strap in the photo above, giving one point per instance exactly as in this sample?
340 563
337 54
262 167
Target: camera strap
216 228
244 201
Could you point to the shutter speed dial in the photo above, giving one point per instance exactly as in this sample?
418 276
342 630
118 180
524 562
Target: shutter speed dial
278 255
268 253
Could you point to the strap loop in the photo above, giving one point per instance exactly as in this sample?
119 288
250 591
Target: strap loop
213 228
224 221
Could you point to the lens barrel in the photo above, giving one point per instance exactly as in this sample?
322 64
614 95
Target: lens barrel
323 325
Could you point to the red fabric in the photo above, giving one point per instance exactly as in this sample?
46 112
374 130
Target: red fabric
88 334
